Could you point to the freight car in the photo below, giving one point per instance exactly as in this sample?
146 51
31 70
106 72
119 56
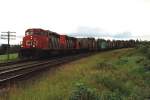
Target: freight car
41 43
102 44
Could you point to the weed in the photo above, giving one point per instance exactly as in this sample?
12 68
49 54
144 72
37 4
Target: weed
122 61
83 92
108 95
112 84
140 60
144 48
3 58
114 76
104 65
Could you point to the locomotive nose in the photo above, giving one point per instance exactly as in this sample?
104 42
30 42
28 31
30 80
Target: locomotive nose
31 41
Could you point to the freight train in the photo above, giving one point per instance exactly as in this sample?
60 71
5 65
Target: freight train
41 43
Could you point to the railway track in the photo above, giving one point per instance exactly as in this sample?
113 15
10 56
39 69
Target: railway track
16 62
21 69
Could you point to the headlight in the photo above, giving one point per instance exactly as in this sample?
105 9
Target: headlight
33 45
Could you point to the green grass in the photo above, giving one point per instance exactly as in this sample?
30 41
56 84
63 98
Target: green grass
3 58
111 75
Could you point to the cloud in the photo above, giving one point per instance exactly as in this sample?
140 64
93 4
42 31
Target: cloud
124 35
84 31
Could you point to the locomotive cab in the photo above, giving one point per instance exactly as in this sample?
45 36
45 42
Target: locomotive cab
33 41
35 38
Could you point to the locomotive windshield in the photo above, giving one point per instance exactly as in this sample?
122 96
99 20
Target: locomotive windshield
29 33
33 33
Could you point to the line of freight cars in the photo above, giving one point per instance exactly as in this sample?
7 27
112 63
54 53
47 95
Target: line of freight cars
40 43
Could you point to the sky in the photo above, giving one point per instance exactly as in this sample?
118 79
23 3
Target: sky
111 19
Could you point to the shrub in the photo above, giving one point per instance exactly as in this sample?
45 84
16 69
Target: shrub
113 85
144 48
104 65
108 95
122 61
83 92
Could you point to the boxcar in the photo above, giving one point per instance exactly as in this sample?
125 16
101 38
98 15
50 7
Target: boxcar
102 44
71 43
83 44
91 44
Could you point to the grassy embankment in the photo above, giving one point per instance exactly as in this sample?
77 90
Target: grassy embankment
111 75
3 58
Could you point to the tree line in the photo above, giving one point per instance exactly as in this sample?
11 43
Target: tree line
10 48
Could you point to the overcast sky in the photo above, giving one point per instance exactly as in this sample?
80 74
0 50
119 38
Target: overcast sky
101 18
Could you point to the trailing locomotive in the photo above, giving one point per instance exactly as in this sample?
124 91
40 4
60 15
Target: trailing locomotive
40 43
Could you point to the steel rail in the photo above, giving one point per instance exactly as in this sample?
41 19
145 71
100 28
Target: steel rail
17 71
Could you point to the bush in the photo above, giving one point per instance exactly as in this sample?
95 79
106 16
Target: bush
144 48
108 95
83 92
104 65
122 61
113 85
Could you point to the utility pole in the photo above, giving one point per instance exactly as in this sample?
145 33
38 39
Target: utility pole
8 37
